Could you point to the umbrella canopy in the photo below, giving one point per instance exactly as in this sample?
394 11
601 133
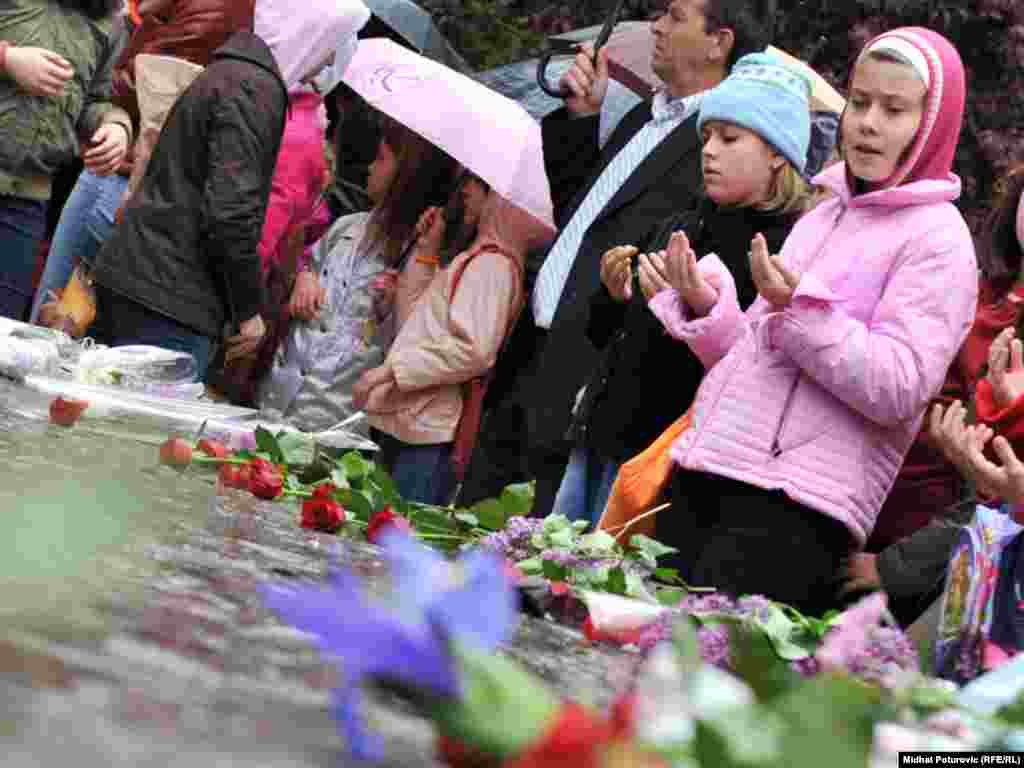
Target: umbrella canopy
414 26
491 135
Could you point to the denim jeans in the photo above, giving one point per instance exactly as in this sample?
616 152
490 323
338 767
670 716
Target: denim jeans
421 473
121 322
22 228
586 486
86 223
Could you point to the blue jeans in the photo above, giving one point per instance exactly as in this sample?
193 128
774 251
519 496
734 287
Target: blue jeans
586 486
86 222
421 473
121 322
22 228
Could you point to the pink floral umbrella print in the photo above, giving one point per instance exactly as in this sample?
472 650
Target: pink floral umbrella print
489 134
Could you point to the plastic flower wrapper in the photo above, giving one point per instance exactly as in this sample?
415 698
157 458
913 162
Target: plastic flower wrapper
405 641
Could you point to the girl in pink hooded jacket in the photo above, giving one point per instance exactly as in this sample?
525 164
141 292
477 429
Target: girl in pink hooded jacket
814 395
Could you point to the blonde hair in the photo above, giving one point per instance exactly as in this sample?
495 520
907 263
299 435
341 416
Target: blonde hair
789 192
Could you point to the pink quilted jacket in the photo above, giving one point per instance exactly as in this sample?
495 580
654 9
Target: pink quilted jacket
824 399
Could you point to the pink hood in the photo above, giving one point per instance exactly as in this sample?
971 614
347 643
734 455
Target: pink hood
303 34
931 154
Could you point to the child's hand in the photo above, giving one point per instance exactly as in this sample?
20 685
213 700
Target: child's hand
307 298
1004 481
1006 368
681 270
860 573
653 278
948 430
430 231
774 281
617 271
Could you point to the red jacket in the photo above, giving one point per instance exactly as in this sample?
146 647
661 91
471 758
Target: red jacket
927 483
190 30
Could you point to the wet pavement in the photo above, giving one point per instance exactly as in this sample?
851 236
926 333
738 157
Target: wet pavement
191 669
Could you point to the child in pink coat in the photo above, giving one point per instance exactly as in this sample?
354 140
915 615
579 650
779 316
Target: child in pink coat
814 395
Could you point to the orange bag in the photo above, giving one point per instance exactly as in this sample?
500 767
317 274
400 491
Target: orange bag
640 484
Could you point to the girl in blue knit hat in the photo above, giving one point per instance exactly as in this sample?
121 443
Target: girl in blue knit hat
755 129
815 393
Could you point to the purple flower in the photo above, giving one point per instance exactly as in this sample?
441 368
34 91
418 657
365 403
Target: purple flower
714 644
405 639
757 607
850 638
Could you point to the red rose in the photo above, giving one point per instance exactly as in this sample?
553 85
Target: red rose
384 519
65 412
575 737
619 637
455 754
176 452
324 491
213 448
322 515
231 476
623 714
265 481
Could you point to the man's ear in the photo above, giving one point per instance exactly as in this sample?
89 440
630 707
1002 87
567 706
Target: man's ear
719 52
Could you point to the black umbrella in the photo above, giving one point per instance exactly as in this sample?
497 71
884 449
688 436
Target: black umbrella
405 22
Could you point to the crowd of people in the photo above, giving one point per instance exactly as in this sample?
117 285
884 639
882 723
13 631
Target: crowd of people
786 329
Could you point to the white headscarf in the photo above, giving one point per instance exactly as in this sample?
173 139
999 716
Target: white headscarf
302 34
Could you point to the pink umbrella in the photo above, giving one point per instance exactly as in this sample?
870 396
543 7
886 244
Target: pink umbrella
491 135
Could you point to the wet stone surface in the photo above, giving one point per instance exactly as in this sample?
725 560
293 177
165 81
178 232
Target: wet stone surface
196 672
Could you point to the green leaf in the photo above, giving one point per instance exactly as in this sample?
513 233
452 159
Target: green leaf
667 574
553 571
387 489
580 525
468 518
828 716
562 538
599 542
267 443
533 566
670 597
616 581
555 522
784 635
517 500
755 661
296 448
355 466
357 504
651 546
339 478
490 513
1013 713
635 585
743 737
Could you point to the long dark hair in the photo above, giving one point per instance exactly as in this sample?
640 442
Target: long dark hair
424 178
94 9
999 251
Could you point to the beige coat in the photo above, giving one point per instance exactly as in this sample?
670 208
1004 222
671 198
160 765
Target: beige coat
448 340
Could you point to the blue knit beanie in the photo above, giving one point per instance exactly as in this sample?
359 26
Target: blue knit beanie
767 97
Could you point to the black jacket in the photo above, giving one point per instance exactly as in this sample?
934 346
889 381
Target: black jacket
646 379
665 183
187 245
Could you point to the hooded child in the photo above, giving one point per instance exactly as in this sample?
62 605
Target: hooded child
813 397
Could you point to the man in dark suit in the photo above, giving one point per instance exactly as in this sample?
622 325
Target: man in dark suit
649 169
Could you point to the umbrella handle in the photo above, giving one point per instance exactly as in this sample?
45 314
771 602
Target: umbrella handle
557 48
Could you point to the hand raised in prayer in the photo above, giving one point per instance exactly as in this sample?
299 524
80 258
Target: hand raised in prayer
1006 368
617 271
1003 480
653 277
699 292
948 430
774 281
